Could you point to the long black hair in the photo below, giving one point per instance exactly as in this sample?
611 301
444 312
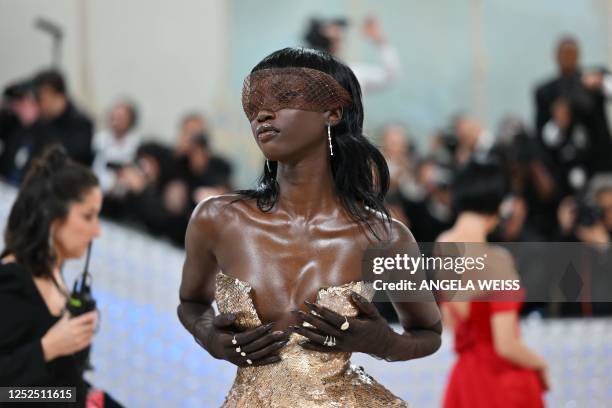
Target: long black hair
52 183
359 170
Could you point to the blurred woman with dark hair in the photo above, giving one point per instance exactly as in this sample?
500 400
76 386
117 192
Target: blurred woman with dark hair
297 242
53 219
495 368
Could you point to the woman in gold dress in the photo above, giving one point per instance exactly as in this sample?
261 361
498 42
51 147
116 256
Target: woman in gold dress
284 261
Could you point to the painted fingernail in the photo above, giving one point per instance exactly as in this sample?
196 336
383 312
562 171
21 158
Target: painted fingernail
277 333
312 307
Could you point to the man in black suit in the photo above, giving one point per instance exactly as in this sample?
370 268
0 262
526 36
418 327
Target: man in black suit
60 121
571 120
18 116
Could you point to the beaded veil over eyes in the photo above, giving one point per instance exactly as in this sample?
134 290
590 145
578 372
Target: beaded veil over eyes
294 88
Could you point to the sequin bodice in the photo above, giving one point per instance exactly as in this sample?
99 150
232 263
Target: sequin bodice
302 378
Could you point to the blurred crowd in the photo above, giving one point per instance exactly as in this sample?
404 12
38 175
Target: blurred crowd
558 165
145 183
558 169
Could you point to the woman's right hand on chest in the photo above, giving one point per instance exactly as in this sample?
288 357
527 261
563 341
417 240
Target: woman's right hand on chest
69 335
257 346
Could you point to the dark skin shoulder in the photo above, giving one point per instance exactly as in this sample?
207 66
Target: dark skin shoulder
286 263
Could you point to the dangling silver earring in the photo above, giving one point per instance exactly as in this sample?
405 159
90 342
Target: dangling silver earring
268 166
331 149
51 243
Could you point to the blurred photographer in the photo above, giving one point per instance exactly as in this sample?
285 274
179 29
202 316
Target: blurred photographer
529 213
329 35
18 115
401 157
472 140
116 145
61 122
571 120
588 219
430 215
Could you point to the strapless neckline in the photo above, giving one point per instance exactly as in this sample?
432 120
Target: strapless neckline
325 297
302 377
323 288
320 289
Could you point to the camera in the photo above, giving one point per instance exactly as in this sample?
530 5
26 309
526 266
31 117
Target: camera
587 214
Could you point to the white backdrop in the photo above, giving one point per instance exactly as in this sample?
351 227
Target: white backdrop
168 56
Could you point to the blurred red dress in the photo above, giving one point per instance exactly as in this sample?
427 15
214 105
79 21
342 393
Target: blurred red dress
481 378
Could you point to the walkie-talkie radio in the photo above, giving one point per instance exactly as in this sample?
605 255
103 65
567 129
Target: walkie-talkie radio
81 301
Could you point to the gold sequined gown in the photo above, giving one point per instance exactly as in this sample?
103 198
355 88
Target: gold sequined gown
303 378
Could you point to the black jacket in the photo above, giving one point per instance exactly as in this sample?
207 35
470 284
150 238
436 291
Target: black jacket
24 320
588 110
71 129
